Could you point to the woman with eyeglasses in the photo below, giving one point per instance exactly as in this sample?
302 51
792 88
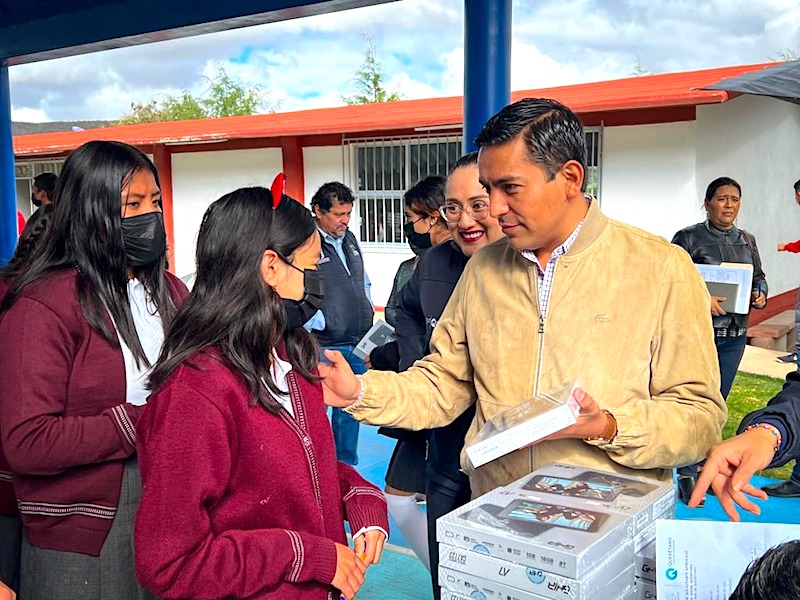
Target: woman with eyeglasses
80 327
242 494
466 214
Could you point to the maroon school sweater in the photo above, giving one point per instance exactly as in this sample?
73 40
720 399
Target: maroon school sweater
8 501
65 427
239 502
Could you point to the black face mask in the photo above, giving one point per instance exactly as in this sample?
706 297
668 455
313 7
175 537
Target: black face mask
36 203
145 239
299 312
417 241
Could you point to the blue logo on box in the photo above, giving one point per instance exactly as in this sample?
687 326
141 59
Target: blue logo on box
672 574
535 575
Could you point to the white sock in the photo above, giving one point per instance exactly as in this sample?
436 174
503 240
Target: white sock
413 524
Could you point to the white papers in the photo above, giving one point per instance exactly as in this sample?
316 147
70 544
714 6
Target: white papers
704 560
739 274
379 334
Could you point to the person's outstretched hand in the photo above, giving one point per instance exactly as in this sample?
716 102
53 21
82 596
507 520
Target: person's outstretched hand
729 467
339 385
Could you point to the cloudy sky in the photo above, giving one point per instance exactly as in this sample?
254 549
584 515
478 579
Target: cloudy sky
308 63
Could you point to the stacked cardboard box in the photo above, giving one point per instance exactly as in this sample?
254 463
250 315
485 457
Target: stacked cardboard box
560 532
646 572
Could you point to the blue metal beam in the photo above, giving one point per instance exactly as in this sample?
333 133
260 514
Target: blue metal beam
107 25
487 63
8 188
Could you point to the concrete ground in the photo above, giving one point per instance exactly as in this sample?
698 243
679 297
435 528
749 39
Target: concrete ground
763 362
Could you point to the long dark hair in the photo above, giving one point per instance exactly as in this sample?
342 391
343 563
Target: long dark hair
230 306
86 235
31 237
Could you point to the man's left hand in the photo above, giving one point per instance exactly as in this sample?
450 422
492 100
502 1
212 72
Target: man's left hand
759 300
591 421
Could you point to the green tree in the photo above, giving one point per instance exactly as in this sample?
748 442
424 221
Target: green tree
638 69
368 79
225 97
786 55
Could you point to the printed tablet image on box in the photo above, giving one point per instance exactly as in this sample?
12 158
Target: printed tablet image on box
561 537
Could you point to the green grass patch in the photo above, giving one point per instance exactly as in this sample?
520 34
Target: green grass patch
749 393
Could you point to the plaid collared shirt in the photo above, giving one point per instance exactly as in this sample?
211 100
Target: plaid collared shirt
546 275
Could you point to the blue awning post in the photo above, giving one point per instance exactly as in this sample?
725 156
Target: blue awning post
487 63
8 188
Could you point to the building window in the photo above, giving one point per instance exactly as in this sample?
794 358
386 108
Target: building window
24 174
381 170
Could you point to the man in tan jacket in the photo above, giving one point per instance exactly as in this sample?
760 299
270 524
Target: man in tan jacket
569 293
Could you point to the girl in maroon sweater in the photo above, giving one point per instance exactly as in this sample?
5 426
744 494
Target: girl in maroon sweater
242 494
10 522
79 328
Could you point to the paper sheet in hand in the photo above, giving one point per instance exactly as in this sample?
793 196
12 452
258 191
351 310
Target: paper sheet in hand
704 560
379 334
740 274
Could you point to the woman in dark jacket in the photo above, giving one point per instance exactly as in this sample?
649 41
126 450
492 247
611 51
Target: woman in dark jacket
712 242
715 241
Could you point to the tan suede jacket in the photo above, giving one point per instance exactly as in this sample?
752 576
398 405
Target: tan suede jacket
628 315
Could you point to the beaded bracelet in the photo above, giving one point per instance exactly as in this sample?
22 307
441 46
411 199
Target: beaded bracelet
772 429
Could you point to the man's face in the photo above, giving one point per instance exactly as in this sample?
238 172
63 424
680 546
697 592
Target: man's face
797 196
533 212
334 222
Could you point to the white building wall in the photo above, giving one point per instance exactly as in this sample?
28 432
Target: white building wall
648 176
322 164
756 141
199 178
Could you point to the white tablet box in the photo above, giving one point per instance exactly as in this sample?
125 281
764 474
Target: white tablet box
646 562
446 595
480 588
645 500
536 581
525 423
645 590
561 537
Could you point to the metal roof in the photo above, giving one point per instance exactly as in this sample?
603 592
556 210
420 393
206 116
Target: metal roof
662 91
32 30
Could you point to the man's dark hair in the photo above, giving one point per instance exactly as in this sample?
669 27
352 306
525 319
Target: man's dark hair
553 134
797 186
331 193
426 196
776 575
47 183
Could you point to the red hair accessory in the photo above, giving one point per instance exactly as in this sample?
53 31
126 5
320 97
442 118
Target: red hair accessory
277 189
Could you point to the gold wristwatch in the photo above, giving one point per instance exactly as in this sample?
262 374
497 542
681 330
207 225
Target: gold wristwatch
609 433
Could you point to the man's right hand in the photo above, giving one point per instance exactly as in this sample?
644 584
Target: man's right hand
781 247
340 387
350 570
716 309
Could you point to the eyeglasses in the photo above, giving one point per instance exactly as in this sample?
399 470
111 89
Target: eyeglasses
451 212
